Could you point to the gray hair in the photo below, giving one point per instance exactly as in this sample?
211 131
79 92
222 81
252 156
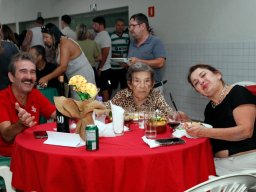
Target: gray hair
139 67
19 57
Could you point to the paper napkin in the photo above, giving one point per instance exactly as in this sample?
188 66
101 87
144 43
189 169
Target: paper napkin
151 142
118 118
64 139
180 131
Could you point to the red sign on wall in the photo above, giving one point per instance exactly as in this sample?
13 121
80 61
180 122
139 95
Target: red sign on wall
151 11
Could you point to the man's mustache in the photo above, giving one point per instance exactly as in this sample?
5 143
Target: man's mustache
27 80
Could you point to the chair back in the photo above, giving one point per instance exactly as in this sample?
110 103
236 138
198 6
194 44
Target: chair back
231 182
7 176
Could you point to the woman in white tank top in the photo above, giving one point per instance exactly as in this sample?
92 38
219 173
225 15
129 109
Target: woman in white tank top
70 58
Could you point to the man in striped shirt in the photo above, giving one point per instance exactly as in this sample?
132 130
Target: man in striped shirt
120 44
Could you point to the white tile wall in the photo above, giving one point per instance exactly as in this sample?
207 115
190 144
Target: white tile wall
236 60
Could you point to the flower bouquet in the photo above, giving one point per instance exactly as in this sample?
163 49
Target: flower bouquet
84 89
82 110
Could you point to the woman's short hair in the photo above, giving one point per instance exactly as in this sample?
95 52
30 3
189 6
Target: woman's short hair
202 66
139 67
19 57
54 31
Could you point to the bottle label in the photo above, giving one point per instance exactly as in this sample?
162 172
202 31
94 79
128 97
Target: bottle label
62 122
60 119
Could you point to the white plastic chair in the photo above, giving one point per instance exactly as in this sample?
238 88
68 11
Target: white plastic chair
226 183
244 83
7 176
250 172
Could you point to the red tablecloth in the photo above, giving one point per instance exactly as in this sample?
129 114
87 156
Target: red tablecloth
123 163
252 88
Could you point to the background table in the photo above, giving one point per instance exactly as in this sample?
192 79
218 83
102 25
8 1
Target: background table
123 163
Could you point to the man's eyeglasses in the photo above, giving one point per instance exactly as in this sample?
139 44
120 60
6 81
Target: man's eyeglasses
133 25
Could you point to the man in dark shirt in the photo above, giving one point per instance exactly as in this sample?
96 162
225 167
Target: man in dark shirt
42 66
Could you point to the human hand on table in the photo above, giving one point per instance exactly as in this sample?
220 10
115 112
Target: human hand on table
195 129
25 118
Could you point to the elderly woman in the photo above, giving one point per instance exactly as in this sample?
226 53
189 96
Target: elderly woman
231 111
70 58
140 96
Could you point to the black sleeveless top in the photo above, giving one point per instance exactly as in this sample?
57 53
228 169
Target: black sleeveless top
222 117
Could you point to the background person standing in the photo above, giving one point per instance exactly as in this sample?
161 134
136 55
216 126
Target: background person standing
70 58
120 44
65 27
34 35
146 48
104 68
88 46
7 50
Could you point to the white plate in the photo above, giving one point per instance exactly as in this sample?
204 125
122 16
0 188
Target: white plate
204 124
122 60
207 125
180 131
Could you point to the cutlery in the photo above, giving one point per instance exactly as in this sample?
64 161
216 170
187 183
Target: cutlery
174 105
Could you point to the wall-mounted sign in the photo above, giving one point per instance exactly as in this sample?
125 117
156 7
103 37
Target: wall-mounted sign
93 7
151 11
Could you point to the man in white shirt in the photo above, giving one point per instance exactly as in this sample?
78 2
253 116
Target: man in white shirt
65 27
104 67
34 35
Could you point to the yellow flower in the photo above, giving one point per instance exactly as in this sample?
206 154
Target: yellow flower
77 80
84 89
91 89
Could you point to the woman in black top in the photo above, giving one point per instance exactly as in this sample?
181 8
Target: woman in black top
231 111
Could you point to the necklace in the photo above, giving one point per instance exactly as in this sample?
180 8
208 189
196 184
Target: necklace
221 97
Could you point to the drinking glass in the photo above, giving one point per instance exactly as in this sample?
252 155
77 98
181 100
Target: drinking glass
150 124
174 119
118 123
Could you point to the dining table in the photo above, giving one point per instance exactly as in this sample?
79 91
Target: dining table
121 164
